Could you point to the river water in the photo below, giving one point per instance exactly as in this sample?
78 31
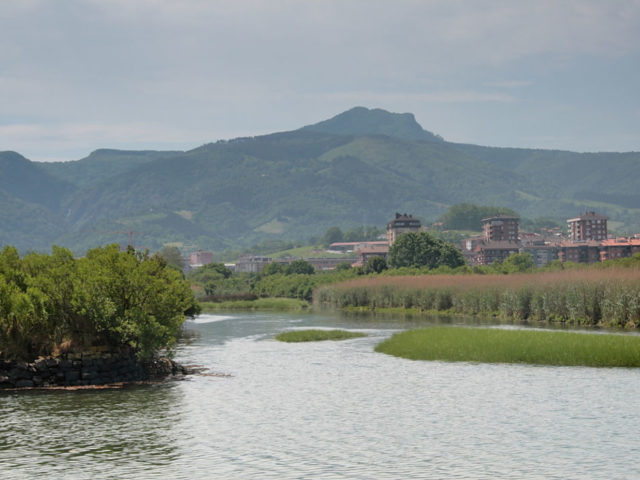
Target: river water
328 410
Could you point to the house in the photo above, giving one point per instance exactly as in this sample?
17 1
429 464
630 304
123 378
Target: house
495 251
252 263
365 254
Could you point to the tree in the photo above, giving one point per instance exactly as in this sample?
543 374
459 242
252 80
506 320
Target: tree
172 256
517 263
300 267
332 235
210 276
272 269
423 250
343 266
112 298
375 264
467 216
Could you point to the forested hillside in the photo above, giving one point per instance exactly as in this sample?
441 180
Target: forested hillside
356 168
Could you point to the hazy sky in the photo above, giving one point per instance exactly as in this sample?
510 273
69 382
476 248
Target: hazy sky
77 75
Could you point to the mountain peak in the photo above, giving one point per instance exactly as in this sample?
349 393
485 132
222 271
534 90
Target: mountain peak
365 121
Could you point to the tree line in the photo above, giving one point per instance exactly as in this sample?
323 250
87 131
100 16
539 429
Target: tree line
112 298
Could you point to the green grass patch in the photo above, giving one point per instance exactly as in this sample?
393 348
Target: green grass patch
317 335
457 344
280 304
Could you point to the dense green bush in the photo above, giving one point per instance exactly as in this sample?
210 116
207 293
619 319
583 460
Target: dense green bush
422 249
109 298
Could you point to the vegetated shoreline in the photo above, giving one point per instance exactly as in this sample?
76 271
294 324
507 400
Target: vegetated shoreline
316 335
268 304
608 298
536 347
89 370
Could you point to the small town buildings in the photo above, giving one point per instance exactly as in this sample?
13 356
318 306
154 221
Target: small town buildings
586 227
492 252
365 254
621 247
329 263
579 252
252 263
500 228
200 258
401 224
541 253
346 247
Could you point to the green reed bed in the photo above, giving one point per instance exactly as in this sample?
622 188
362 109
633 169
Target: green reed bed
597 297
277 304
490 345
315 335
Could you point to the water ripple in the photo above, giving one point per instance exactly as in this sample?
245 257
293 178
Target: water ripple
328 410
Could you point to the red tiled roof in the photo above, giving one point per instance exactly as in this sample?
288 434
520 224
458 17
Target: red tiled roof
621 242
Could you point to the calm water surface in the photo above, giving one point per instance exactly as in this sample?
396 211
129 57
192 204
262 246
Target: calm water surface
328 410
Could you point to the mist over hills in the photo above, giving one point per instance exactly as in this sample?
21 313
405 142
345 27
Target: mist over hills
356 168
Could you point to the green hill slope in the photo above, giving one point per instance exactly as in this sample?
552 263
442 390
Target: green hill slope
356 168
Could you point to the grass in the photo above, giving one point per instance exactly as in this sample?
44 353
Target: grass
317 335
457 344
581 297
279 304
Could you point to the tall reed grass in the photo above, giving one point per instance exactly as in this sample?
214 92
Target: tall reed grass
585 297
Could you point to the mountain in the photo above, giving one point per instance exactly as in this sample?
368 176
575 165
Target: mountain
359 167
361 121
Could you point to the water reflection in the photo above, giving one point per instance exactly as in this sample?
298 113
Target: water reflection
69 431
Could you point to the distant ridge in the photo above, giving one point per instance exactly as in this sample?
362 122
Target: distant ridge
356 168
363 121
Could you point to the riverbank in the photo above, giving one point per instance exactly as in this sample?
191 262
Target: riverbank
493 345
89 369
268 304
590 297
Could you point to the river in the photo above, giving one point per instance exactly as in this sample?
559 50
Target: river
328 410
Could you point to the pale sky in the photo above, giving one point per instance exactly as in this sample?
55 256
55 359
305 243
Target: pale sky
78 75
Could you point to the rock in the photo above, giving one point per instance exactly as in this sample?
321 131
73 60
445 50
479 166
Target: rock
24 383
71 376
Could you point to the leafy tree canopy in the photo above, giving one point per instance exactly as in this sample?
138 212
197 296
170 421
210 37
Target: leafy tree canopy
110 298
422 249
332 235
467 216
301 267
375 265
172 256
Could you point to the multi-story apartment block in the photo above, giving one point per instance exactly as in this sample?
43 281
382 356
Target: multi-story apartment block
588 226
199 258
500 228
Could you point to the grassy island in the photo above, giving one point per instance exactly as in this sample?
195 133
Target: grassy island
269 304
317 335
490 345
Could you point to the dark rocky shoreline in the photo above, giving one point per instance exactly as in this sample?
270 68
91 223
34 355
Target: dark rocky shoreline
87 370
